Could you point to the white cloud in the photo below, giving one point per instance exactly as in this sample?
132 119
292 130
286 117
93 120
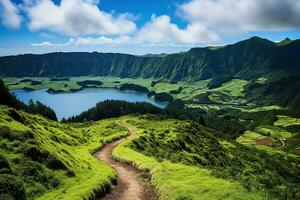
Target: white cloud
239 16
207 22
158 31
77 17
10 14
43 44
101 40
161 30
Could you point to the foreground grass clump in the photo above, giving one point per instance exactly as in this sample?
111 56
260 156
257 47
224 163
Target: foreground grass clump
180 181
44 159
164 145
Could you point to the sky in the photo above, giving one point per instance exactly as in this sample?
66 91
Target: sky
141 27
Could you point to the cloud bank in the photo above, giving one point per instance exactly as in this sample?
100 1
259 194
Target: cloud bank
242 16
207 21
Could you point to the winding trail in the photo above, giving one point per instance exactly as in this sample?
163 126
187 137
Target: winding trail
282 144
129 186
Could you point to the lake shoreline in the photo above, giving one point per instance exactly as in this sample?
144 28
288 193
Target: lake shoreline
67 104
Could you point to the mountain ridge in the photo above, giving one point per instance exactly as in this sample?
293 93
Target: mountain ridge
245 59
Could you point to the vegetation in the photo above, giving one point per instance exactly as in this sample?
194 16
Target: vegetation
181 181
35 108
235 60
133 87
43 159
89 82
230 130
200 151
114 108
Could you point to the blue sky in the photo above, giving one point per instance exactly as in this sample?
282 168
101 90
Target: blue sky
141 27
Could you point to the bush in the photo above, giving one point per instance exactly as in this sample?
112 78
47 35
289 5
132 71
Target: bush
6 197
54 163
5 133
4 166
11 187
16 116
34 153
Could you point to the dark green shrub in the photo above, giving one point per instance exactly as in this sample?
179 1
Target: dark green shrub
4 166
11 187
16 116
53 162
5 132
34 153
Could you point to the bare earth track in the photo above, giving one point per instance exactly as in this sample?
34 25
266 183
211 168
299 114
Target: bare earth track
129 185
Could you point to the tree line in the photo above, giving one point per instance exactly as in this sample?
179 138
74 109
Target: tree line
11 100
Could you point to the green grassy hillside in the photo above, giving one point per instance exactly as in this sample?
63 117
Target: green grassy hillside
189 161
43 159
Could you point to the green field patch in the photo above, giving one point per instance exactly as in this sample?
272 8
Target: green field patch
250 138
234 88
273 131
261 109
286 121
262 80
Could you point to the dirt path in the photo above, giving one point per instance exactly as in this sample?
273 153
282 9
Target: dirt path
129 186
282 144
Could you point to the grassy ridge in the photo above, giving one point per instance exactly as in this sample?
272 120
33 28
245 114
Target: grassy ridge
178 180
55 161
245 59
196 146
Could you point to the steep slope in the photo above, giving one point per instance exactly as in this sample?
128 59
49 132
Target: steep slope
189 161
245 59
282 91
44 159
36 108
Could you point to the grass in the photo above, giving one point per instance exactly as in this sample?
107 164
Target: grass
271 135
262 80
178 180
234 88
261 108
286 121
73 145
273 131
249 138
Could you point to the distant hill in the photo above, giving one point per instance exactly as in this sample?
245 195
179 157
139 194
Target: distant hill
246 59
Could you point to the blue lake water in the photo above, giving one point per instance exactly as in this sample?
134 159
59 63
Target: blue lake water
70 104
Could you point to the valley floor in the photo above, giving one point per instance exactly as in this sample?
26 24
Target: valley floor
181 159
